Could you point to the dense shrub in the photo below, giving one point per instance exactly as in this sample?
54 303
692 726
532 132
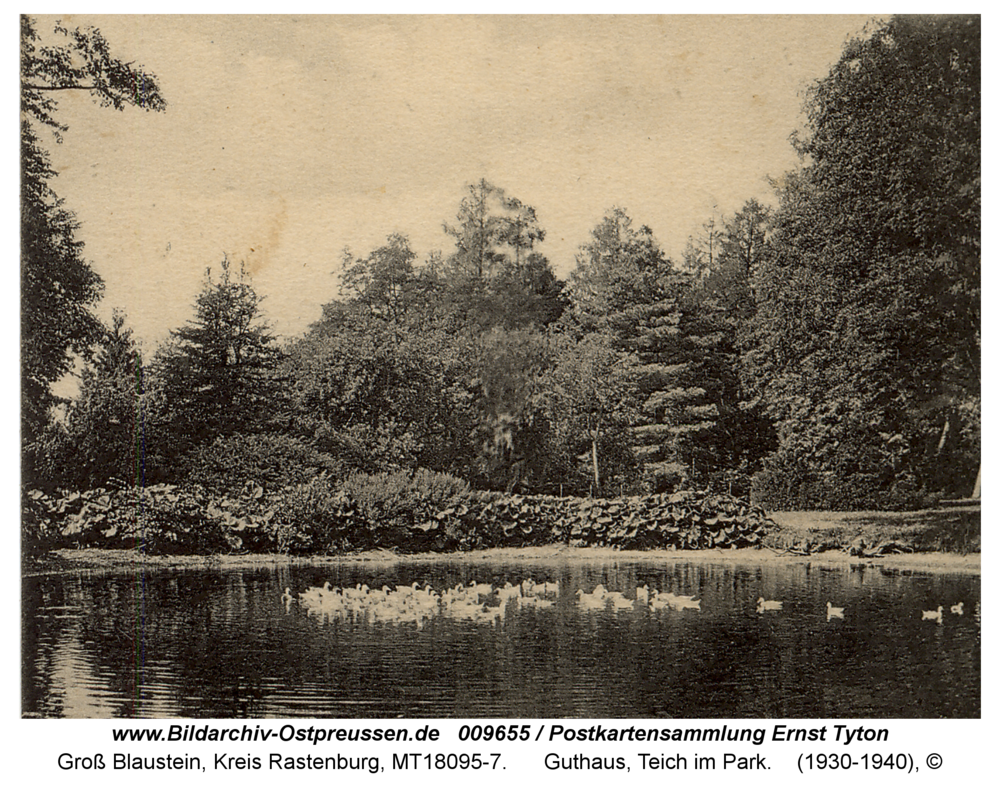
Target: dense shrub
394 501
271 461
401 511
316 517
156 519
789 484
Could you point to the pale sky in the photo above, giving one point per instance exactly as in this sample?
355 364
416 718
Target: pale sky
286 139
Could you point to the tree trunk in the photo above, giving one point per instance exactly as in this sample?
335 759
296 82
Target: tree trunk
944 436
979 481
597 475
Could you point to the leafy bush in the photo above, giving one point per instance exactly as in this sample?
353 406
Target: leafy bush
686 520
315 517
155 519
401 511
392 502
789 484
271 461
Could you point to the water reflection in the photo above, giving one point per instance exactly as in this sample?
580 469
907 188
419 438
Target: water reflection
575 639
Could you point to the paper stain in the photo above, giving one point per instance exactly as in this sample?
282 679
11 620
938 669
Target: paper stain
261 253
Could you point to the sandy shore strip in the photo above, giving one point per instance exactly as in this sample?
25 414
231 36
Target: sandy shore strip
110 560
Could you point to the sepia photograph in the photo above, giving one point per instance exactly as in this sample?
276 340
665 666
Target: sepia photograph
488 368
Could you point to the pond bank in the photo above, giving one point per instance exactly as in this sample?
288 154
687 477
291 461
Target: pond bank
98 560
949 529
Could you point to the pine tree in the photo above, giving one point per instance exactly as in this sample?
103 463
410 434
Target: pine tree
625 286
214 378
106 423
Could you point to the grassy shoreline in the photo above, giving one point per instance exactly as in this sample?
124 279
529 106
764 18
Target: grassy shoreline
952 529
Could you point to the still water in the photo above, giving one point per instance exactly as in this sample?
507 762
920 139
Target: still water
225 643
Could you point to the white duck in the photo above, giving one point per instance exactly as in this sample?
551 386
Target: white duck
834 611
957 608
594 600
767 606
681 602
934 614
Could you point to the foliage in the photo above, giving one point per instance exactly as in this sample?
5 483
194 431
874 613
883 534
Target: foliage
391 503
384 281
488 223
865 343
83 61
593 401
316 518
381 395
513 426
419 512
215 376
105 423
57 289
494 278
156 519
57 284
271 461
735 434
624 286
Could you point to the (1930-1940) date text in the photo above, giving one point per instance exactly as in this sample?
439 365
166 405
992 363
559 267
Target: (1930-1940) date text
845 761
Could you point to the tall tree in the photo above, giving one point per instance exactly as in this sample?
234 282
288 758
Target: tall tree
866 336
625 286
106 423
384 281
594 402
384 379
215 376
701 255
495 276
58 285
482 232
717 312
743 240
57 289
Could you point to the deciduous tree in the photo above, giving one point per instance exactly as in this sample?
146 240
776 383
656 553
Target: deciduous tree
58 286
866 335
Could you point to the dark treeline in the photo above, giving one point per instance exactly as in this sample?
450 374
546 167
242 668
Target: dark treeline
821 353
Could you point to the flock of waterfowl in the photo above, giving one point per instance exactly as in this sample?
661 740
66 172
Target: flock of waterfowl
938 614
486 603
837 612
416 604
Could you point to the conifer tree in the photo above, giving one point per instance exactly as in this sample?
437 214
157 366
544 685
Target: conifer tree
214 378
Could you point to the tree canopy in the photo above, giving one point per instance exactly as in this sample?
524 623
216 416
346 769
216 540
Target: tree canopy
58 285
215 376
866 338
822 353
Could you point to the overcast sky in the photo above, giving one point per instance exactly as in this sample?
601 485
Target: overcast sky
286 139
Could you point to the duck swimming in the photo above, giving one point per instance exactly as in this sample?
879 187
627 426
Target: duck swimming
957 608
767 606
934 614
834 611
594 600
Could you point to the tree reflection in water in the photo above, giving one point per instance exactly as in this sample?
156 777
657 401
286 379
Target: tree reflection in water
415 640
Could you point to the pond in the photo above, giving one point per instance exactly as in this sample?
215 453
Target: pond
533 639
